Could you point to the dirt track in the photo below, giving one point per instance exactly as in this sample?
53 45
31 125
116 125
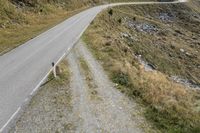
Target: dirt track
94 104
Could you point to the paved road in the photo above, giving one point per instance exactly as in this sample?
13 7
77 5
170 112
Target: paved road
23 69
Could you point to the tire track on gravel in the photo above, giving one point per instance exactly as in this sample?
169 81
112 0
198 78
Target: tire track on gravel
85 122
114 112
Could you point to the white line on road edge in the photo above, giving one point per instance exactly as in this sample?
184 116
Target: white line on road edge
1 130
43 79
26 100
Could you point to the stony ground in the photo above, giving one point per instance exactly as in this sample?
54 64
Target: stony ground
89 104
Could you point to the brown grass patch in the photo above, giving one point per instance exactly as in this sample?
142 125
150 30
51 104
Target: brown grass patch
170 106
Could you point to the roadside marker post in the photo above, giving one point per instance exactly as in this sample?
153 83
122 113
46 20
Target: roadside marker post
54 70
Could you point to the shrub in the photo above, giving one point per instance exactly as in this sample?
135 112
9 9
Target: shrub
121 79
110 12
120 20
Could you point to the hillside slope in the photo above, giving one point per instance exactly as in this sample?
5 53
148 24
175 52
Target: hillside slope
21 20
145 49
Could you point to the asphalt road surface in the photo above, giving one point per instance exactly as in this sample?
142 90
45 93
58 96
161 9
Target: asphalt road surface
23 69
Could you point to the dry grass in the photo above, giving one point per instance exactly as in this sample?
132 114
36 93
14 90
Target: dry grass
19 25
63 76
22 21
170 106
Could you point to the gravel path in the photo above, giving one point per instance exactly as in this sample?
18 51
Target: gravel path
111 112
89 104
82 113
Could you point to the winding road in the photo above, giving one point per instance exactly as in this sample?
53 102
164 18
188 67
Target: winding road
25 68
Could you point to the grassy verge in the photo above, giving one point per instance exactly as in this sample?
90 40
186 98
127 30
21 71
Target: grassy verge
63 75
169 106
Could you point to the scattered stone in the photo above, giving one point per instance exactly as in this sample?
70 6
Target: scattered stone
188 54
147 66
179 32
127 35
124 35
3 26
166 17
141 26
186 82
182 50
116 85
172 46
108 43
145 27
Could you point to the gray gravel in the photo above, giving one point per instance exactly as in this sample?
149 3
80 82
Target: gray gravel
83 117
47 112
77 111
113 112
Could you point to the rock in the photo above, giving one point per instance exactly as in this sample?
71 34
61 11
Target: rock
185 82
124 35
147 66
145 27
128 36
188 54
182 50
167 17
171 55
172 46
108 43
3 26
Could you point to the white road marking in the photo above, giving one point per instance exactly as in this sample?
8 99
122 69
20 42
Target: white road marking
43 79
26 100
1 130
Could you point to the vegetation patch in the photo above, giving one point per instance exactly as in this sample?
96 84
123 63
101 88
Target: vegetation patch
22 20
62 77
171 107
121 79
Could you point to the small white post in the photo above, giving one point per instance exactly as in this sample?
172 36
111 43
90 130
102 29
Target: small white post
54 70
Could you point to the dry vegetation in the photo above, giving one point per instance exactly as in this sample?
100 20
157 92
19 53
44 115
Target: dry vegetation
170 106
21 20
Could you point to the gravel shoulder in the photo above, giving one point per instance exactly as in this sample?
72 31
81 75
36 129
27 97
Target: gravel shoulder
49 110
111 110
86 103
